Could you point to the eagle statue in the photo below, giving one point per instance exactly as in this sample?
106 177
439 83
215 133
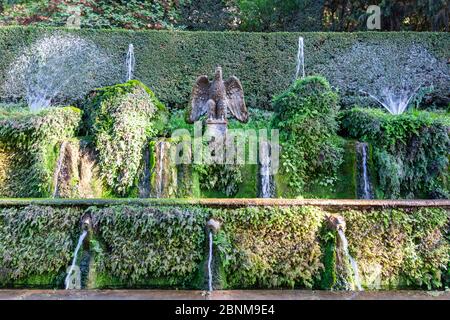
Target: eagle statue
215 98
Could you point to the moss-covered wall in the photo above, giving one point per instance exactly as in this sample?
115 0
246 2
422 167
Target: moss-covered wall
169 62
165 246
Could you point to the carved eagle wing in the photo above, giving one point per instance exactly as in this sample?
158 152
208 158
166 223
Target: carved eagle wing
235 99
199 99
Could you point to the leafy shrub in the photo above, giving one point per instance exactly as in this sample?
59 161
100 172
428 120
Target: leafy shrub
401 249
122 118
29 144
270 247
305 115
36 244
410 150
141 245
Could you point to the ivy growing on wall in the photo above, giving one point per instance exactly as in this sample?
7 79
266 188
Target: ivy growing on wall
270 247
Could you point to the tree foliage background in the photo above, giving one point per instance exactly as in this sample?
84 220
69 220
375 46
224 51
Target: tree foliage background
243 15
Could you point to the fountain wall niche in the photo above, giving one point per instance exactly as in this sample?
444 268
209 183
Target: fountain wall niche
76 173
364 185
163 181
212 228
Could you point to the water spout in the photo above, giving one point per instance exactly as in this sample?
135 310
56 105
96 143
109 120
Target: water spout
352 261
394 103
68 279
364 186
300 59
130 62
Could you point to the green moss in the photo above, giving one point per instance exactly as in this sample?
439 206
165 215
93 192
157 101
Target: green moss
148 246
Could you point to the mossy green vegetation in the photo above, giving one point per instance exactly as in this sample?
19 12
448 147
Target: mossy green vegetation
29 148
147 246
270 247
122 119
410 151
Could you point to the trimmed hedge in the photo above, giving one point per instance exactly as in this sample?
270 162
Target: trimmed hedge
169 62
122 118
29 148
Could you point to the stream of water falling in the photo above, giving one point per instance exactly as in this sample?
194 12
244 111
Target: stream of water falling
160 171
62 152
130 62
352 261
300 59
210 286
366 188
74 261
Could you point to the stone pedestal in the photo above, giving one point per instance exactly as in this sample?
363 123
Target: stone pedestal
216 128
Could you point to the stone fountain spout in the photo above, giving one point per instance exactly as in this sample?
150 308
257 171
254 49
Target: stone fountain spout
213 226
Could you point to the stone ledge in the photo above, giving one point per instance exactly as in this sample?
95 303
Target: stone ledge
234 203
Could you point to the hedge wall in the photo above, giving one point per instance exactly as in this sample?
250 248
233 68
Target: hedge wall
169 62
135 245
